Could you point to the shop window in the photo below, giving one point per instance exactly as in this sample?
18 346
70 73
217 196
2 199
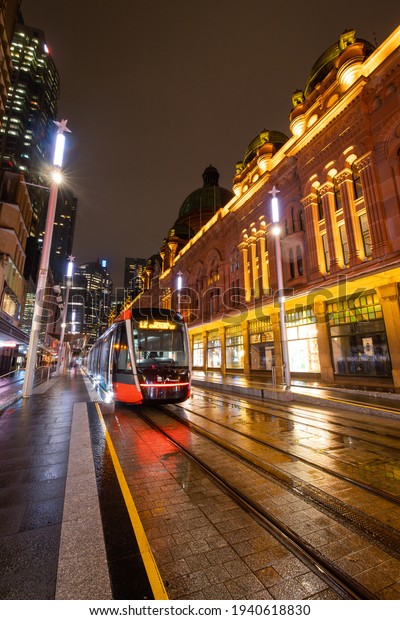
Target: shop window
198 351
261 341
234 349
213 350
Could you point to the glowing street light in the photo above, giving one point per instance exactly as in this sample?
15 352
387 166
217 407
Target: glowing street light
276 231
44 260
179 288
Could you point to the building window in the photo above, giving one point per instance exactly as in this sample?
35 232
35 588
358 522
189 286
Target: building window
320 206
302 341
366 235
299 261
234 347
291 264
301 220
345 245
213 350
293 221
358 189
359 343
326 251
337 195
198 351
261 344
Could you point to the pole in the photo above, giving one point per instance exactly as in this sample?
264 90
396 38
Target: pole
44 261
63 326
282 322
42 280
68 283
279 271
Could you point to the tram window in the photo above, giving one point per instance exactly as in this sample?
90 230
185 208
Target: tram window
121 358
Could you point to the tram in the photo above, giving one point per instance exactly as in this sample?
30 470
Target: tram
143 357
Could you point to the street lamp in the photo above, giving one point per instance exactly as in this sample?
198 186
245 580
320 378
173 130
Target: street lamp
44 260
179 288
276 231
68 284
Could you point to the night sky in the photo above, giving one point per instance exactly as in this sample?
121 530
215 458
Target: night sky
155 91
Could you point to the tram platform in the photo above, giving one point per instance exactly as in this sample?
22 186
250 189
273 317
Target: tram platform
54 467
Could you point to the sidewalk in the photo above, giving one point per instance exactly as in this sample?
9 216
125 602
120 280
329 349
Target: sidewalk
365 401
45 448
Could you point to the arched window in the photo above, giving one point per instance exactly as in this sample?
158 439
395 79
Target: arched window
286 228
301 220
293 221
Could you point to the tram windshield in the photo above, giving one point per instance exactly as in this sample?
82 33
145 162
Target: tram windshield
166 347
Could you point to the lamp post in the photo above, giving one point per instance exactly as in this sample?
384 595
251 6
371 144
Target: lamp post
68 283
44 260
179 288
276 231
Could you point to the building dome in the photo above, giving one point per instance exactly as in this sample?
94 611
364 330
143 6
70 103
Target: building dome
276 138
207 199
328 60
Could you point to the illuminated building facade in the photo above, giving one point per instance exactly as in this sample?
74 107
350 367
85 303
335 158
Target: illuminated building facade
338 177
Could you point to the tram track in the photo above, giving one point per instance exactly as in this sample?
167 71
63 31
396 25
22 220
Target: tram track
294 411
293 455
343 584
387 537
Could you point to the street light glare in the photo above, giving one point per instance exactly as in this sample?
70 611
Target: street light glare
57 176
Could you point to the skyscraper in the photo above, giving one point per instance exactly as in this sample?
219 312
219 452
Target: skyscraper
31 105
90 300
133 275
27 143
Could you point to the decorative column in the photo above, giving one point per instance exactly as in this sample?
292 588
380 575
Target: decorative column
276 330
323 339
332 231
353 231
243 248
205 352
254 266
260 236
246 349
389 298
223 351
316 259
374 207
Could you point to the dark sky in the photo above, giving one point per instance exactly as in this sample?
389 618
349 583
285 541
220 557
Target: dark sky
155 91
